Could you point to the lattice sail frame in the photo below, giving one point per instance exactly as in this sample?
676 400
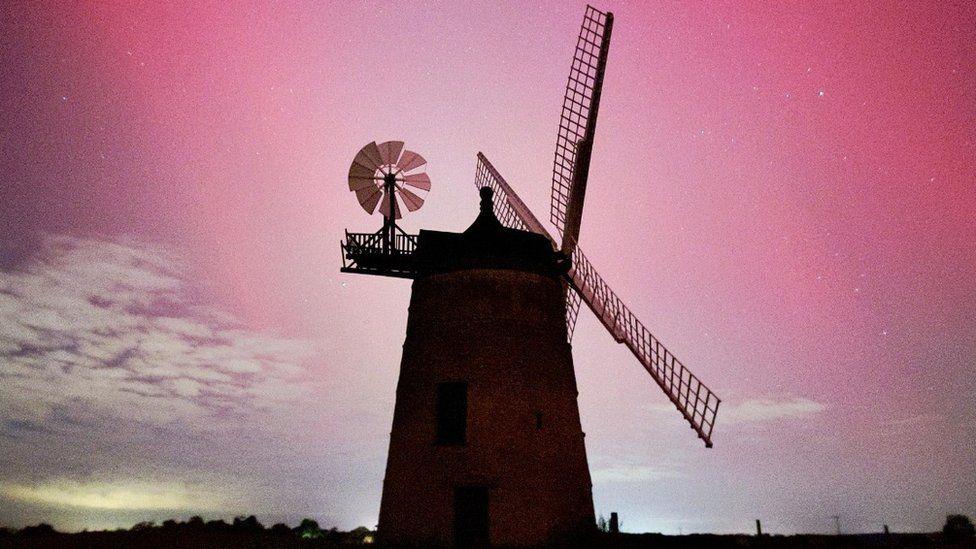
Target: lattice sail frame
577 121
513 213
696 402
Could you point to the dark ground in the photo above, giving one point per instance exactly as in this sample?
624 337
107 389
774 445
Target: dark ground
708 541
266 538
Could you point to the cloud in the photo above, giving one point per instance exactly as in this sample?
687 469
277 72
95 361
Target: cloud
913 424
754 410
767 409
631 473
125 388
116 328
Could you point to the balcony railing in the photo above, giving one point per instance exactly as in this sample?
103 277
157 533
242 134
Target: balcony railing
373 253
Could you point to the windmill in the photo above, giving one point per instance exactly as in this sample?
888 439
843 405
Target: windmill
379 175
486 444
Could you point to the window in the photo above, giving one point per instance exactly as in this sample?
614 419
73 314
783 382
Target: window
452 412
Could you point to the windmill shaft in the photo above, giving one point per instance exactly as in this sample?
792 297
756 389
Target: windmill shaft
390 220
577 193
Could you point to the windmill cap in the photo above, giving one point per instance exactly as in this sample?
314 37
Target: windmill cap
487 244
486 223
487 202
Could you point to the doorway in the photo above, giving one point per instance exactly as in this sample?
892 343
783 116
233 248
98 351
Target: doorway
471 516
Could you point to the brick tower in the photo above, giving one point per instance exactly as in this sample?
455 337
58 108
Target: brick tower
486 445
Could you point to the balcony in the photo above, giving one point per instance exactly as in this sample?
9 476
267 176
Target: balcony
380 254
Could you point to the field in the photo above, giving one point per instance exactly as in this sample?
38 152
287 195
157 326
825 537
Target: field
292 538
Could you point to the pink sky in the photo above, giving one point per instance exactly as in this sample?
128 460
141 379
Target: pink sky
783 194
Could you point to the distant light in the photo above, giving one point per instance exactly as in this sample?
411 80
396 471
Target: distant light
820 93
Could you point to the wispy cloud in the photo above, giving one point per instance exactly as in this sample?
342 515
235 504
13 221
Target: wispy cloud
631 473
125 386
116 329
769 409
912 424
754 410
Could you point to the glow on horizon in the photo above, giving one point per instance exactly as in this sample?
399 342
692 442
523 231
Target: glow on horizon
115 496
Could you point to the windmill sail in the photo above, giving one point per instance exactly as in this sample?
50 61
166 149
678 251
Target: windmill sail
378 170
696 402
513 213
390 151
509 208
577 125
410 161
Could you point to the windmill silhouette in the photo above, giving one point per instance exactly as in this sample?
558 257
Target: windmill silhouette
486 445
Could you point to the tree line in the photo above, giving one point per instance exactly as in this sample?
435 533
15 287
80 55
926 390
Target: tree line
242 531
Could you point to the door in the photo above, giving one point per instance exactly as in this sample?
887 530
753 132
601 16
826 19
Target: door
471 516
